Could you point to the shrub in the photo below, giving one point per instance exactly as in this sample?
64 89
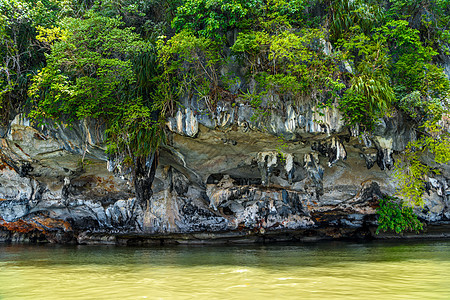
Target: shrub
394 215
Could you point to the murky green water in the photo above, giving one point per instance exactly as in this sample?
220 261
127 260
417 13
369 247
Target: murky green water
419 270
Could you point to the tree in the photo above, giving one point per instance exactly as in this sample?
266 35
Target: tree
90 75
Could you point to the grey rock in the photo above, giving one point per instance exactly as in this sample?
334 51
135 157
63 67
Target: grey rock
222 173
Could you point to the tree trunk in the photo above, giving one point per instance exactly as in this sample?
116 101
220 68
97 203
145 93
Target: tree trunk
144 174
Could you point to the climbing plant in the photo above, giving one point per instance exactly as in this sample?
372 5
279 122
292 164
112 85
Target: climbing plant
412 172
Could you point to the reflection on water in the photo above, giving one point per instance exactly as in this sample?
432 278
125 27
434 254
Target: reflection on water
419 270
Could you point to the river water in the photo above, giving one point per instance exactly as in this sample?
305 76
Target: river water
335 270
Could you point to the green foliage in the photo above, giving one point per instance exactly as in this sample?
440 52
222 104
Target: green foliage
370 94
190 67
45 12
411 172
421 109
278 15
18 56
412 68
394 215
289 63
281 147
391 64
87 72
292 63
430 17
346 14
21 53
394 65
284 56
422 91
135 133
366 100
212 19
93 72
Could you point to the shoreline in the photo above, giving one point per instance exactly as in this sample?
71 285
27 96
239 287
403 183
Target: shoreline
235 237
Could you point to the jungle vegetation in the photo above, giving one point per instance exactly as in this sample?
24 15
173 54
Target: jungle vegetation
126 63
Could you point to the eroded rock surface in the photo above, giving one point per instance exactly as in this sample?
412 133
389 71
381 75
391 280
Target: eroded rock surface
299 174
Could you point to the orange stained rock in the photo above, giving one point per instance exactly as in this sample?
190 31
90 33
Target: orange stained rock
3 143
50 223
17 226
41 224
4 165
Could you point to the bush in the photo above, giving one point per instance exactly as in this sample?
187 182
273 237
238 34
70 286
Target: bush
394 215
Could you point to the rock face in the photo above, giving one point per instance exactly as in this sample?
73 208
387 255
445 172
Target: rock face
297 174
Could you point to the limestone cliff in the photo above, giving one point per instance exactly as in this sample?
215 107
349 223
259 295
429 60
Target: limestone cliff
298 174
